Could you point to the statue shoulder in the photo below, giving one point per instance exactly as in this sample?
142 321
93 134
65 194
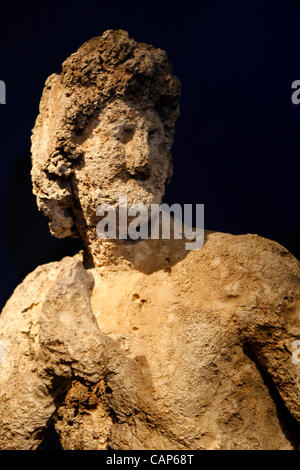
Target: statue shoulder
253 283
35 286
241 264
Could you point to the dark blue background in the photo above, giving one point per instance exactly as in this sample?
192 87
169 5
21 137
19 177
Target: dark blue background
237 140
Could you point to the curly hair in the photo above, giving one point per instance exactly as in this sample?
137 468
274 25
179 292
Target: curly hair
103 69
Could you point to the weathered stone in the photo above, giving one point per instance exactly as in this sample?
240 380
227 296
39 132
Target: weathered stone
141 345
48 336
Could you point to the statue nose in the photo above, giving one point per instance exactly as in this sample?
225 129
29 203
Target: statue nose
143 157
138 165
138 153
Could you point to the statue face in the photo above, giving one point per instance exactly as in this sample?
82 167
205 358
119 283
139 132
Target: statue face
125 154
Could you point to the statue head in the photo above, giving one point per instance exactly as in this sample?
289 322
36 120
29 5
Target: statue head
105 130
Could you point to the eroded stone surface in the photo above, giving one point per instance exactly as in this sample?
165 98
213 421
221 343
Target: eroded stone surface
50 337
106 124
187 344
141 345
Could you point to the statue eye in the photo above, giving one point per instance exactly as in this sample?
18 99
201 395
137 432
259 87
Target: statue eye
152 132
123 133
126 134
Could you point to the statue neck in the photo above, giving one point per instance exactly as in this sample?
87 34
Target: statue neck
109 257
